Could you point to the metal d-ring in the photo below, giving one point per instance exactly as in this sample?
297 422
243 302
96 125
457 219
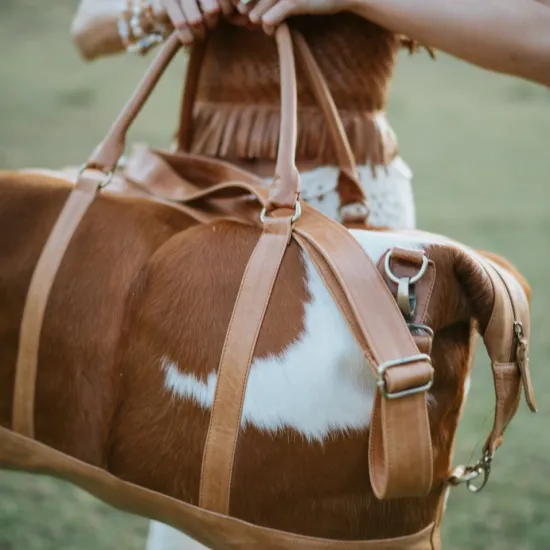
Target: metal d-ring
294 219
406 295
413 279
103 183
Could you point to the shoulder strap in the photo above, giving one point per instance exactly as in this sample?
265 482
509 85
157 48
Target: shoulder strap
400 449
42 281
238 350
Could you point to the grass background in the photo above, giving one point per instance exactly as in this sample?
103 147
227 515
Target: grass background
479 145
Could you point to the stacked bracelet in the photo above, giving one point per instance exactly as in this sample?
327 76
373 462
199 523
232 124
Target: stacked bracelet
139 28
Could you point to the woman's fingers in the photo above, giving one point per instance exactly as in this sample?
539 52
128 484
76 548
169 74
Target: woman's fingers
176 15
243 6
227 7
193 14
211 11
191 17
259 10
281 10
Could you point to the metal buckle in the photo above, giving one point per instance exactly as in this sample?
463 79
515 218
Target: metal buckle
354 211
381 382
467 474
413 279
297 213
419 327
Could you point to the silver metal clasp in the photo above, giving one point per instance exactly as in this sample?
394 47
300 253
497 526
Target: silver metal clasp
406 295
381 382
467 474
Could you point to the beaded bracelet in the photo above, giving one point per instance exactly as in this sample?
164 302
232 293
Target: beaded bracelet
138 27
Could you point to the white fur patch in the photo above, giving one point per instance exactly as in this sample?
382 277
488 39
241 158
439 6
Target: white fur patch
321 383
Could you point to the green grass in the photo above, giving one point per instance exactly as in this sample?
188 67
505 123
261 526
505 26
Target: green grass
479 146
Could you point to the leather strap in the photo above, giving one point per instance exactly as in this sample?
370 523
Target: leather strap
286 186
506 339
40 287
285 190
349 188
400 450
107 154
211 529
238 351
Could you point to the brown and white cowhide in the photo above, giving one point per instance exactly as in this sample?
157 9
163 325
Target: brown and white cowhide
132 338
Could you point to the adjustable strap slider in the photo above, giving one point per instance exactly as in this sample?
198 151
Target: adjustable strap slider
408 381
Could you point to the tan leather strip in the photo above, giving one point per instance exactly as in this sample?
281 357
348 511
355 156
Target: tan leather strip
350 190
400 450
106 155
521 314
211 529
285 190
42 281
320 90
248 314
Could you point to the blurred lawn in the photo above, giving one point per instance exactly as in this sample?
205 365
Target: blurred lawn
479 145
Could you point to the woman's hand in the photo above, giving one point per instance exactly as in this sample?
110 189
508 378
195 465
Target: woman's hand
271 13
192 18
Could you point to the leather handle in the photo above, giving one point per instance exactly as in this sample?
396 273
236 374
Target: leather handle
317 84
320 90
349 188
286 187
108 152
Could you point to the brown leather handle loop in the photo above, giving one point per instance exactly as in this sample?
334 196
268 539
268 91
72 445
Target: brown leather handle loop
107 154
349 188
317 84
286 187
321 92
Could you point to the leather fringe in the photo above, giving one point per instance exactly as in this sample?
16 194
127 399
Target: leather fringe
252 131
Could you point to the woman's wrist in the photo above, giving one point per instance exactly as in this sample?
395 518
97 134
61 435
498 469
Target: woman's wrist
103 27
